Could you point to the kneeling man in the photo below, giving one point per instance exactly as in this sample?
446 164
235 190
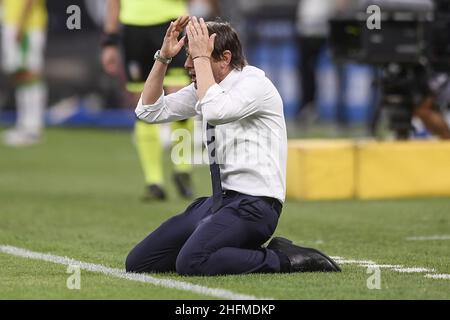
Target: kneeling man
245 131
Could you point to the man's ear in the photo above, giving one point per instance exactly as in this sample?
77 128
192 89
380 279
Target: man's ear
226 57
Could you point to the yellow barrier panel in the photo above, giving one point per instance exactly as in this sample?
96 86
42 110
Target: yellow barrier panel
402 169
320 169
342 169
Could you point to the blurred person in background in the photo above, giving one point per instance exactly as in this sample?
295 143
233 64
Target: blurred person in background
23 44
437 99
313 31
312 28
437 102
143 27
208 9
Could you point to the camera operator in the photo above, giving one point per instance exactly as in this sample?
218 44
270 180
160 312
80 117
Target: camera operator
429 111
438 98
412 54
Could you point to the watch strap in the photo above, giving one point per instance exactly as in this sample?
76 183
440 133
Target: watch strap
161 59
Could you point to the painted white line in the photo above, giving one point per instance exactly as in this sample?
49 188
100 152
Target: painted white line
413 270
370 263
302 242
397 267
352 261
438 276
360 262
336 258
118 273
381 266
429 238
394 267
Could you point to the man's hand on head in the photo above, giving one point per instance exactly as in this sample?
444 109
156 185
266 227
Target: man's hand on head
201 46
200 43
171 45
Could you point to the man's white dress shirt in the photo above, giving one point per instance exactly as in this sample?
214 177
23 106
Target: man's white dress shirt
247 112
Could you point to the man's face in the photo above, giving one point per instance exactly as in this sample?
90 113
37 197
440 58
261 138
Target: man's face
189 66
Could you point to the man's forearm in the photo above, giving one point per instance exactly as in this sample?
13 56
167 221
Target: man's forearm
205 78
153 87
112 24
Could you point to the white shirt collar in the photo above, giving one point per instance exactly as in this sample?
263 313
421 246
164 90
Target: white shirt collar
229 80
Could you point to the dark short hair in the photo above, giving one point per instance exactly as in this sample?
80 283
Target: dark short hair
227 39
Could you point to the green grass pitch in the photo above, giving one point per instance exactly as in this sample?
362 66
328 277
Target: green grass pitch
77 195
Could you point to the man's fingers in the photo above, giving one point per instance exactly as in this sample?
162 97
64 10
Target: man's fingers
191 29
184 21
177 24
196 25
189 33
182 25
203 26
180 43
181 20
169 29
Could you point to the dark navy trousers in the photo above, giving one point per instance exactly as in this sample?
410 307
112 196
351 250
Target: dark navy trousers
199 242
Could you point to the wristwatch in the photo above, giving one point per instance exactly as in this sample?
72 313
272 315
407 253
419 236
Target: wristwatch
162 59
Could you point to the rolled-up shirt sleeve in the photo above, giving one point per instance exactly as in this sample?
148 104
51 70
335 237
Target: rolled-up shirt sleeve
219 106
173 107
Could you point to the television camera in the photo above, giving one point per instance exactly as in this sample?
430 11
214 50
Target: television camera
409 42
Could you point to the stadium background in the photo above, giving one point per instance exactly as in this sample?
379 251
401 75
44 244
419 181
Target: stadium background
76 79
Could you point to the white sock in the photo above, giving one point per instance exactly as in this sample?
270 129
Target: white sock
31 101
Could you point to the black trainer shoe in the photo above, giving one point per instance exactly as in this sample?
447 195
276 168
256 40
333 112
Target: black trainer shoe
184 185
154 192
303 259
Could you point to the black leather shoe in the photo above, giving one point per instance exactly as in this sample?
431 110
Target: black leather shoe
303 259
184 185
154 192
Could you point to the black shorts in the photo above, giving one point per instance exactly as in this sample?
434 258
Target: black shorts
139 45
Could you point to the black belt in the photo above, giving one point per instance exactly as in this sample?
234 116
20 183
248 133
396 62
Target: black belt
273 202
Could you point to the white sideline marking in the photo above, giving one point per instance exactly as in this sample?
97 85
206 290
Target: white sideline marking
302 242
438 276
385 266
118 273
425 238
394 267
397 267
368 263
381 266
352 261
413 270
